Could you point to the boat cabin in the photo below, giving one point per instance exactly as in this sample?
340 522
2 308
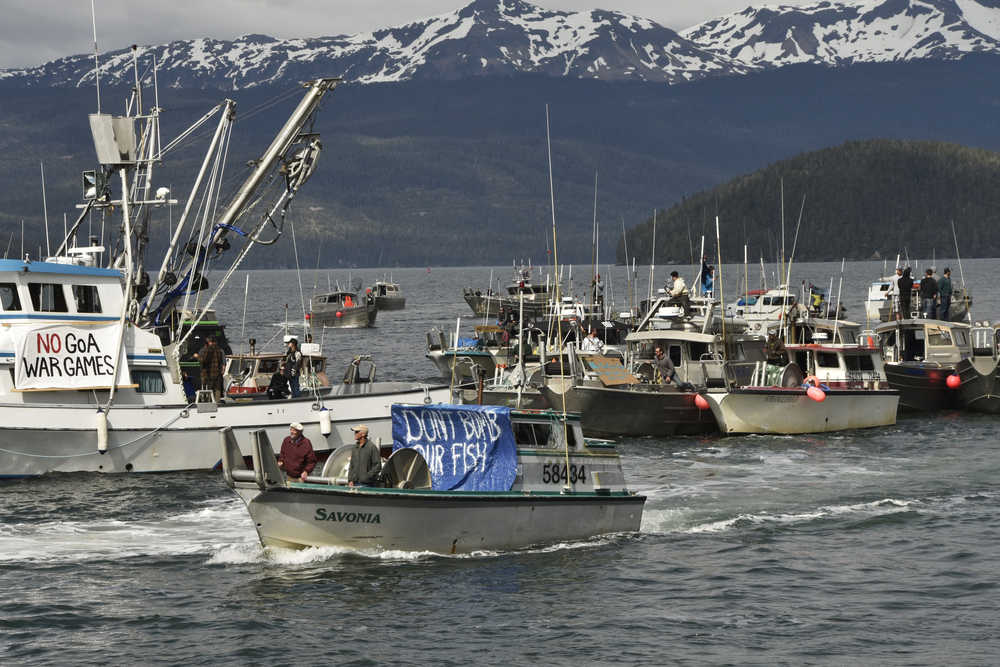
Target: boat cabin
698 357
924 341
336 300
249 375
385 289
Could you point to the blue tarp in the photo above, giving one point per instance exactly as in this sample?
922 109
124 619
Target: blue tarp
467 447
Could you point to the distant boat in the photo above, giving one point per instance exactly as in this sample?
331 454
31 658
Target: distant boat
343 310
387 295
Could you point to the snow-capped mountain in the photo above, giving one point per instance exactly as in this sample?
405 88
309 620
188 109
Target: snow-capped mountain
839 33
486 37
507 37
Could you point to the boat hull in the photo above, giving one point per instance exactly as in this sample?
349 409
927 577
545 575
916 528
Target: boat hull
40 438
979 390
922 387
607 412
789 411
390 302
358 317
307 515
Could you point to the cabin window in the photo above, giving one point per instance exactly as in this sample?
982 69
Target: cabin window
9 299
698 350
87 299
269 366
938 336
149 382
317 364
532 435
675 354
961 339
241 368
866 362
47 297
827 360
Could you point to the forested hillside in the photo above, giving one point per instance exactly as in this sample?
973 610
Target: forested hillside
857 199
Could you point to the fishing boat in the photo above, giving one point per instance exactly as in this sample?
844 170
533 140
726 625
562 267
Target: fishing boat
879 304
977 378
248 375
920 355
91 339
342 309
387 295
460 479
832 380
493 304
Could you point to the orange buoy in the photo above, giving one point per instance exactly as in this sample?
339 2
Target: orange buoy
816 394
701 402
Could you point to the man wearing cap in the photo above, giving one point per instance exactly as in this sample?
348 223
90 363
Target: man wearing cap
297 457
366 463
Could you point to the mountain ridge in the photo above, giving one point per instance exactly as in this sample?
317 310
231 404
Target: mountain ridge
512 37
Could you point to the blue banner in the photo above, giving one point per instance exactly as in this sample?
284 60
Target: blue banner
467 447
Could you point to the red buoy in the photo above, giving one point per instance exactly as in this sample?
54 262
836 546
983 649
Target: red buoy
816 394
701 402
953 381
339 314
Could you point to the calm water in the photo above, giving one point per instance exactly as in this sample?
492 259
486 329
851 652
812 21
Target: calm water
870 547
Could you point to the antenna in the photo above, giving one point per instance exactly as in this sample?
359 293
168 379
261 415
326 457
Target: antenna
97 67
45 210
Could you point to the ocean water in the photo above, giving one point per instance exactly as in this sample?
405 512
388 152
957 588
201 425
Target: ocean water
867 547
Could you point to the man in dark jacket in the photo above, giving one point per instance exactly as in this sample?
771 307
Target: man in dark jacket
905 283
212 359
366 463
944 294
297 457
928 293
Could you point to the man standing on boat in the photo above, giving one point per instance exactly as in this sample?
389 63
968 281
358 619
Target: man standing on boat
663 367
892 294
928 292
297 457
366 462
905 284
211 360
592 343
944 294
293 366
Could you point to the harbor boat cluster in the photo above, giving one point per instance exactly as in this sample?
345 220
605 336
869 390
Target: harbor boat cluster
118 362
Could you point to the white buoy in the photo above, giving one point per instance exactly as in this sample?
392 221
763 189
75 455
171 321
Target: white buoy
325 422
102 431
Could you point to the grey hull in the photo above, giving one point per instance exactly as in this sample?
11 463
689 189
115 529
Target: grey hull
979 390
390 302
359 317
607 412
304 515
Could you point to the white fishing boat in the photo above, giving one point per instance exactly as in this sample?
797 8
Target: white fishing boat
90 342
460 479
825 384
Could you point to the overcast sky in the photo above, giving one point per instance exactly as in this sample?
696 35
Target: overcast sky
35 31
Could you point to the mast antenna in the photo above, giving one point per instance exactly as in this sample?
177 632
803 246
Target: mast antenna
97 67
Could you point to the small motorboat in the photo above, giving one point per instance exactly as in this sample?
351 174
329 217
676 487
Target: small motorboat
343 310
459 479
387 295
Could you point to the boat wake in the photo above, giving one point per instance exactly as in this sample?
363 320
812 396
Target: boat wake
253 552
191 532
690 520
